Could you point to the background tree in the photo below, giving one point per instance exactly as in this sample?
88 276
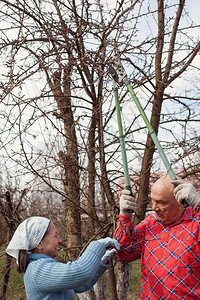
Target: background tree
10 216
167 70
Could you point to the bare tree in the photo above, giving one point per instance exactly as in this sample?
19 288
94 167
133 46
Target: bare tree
165 74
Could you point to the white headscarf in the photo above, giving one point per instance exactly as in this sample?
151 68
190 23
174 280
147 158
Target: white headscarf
28 235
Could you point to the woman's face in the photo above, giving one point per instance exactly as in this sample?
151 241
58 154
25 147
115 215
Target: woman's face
49 244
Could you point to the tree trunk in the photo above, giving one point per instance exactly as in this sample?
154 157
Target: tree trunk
91 176
147 160
69 160
113 285
155 120
89 295
124 276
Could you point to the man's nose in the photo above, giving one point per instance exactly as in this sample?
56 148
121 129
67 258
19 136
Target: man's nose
154 206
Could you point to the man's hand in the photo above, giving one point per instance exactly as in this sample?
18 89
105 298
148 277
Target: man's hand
186 191
127 202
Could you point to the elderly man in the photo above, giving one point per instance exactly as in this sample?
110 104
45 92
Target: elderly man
168 241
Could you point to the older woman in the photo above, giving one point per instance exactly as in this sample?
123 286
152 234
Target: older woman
35 246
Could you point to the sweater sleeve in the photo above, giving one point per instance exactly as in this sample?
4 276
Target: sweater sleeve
49 275
130 238
102 268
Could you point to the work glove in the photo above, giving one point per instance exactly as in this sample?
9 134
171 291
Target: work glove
107 256
110 243
127 202
186 191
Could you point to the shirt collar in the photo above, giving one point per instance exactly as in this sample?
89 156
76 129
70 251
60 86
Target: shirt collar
36 256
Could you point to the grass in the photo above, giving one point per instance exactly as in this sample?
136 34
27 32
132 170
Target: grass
15 289
135 283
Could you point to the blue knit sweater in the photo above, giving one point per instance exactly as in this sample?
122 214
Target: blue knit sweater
45 278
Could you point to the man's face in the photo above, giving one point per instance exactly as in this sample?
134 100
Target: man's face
50 243
167 209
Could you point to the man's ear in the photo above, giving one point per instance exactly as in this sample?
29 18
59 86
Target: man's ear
180 206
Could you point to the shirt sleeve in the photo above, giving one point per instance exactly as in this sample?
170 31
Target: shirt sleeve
49 275
130 238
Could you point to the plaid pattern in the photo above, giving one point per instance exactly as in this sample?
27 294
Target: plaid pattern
170 255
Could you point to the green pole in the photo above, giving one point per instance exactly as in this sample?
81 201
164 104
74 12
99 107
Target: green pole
153 136
122 143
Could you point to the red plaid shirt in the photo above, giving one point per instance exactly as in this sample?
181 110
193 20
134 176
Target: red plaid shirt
170 255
